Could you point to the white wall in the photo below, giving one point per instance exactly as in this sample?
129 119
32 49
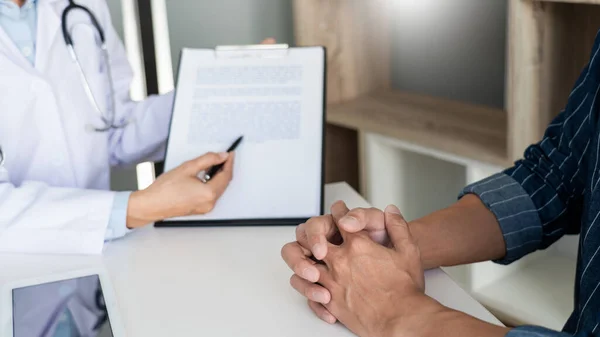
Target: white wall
208 23
453 49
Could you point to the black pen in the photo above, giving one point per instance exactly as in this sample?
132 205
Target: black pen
215 169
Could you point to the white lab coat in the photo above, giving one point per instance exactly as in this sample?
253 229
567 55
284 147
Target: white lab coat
54 195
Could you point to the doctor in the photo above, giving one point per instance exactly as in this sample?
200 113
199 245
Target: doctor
65 118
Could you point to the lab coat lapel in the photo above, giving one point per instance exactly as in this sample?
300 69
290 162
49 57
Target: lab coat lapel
48 26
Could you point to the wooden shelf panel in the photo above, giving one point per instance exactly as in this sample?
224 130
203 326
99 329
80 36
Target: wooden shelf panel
550 42
461 129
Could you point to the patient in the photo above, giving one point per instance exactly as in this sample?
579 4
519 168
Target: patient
371 275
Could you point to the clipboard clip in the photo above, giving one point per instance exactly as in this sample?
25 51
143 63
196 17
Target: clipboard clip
253 51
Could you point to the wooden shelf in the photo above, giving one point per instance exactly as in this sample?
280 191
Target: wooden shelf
465 130
550 42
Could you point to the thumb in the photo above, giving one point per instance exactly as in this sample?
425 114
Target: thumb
397 227
204 162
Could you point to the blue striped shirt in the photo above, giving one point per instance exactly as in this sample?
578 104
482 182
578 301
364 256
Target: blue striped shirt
553 191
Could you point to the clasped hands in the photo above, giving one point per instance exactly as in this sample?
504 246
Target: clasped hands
363 268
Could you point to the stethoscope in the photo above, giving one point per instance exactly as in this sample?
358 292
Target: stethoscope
108 117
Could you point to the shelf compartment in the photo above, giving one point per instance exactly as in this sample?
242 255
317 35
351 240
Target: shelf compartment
466 130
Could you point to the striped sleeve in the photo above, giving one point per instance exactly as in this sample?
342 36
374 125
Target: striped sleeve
540 199
515 212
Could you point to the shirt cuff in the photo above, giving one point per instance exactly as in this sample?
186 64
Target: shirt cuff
515 212
117 224
534 331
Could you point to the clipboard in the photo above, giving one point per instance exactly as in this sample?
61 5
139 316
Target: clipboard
235 54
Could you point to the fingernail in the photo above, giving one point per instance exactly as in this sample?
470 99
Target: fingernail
327 317
350 223
224 155
392 209
318 251
310 274
319 297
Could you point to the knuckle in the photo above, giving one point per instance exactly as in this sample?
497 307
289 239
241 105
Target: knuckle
358 213
297 268
411 250
316 224
209 157
309 224
333 306
307 292
297 263
323 272
300 229
359 242
313 306
334 256
301 233
294 282
314 238
374 210
338 206
285 250
400 219
210 195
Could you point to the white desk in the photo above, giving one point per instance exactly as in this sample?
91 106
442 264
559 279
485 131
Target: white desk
215 281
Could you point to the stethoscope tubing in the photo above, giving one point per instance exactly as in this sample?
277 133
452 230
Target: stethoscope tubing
108 119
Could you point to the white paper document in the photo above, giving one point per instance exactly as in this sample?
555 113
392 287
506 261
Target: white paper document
275 99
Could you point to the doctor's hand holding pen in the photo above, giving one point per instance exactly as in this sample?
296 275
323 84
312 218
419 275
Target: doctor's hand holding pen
181 192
